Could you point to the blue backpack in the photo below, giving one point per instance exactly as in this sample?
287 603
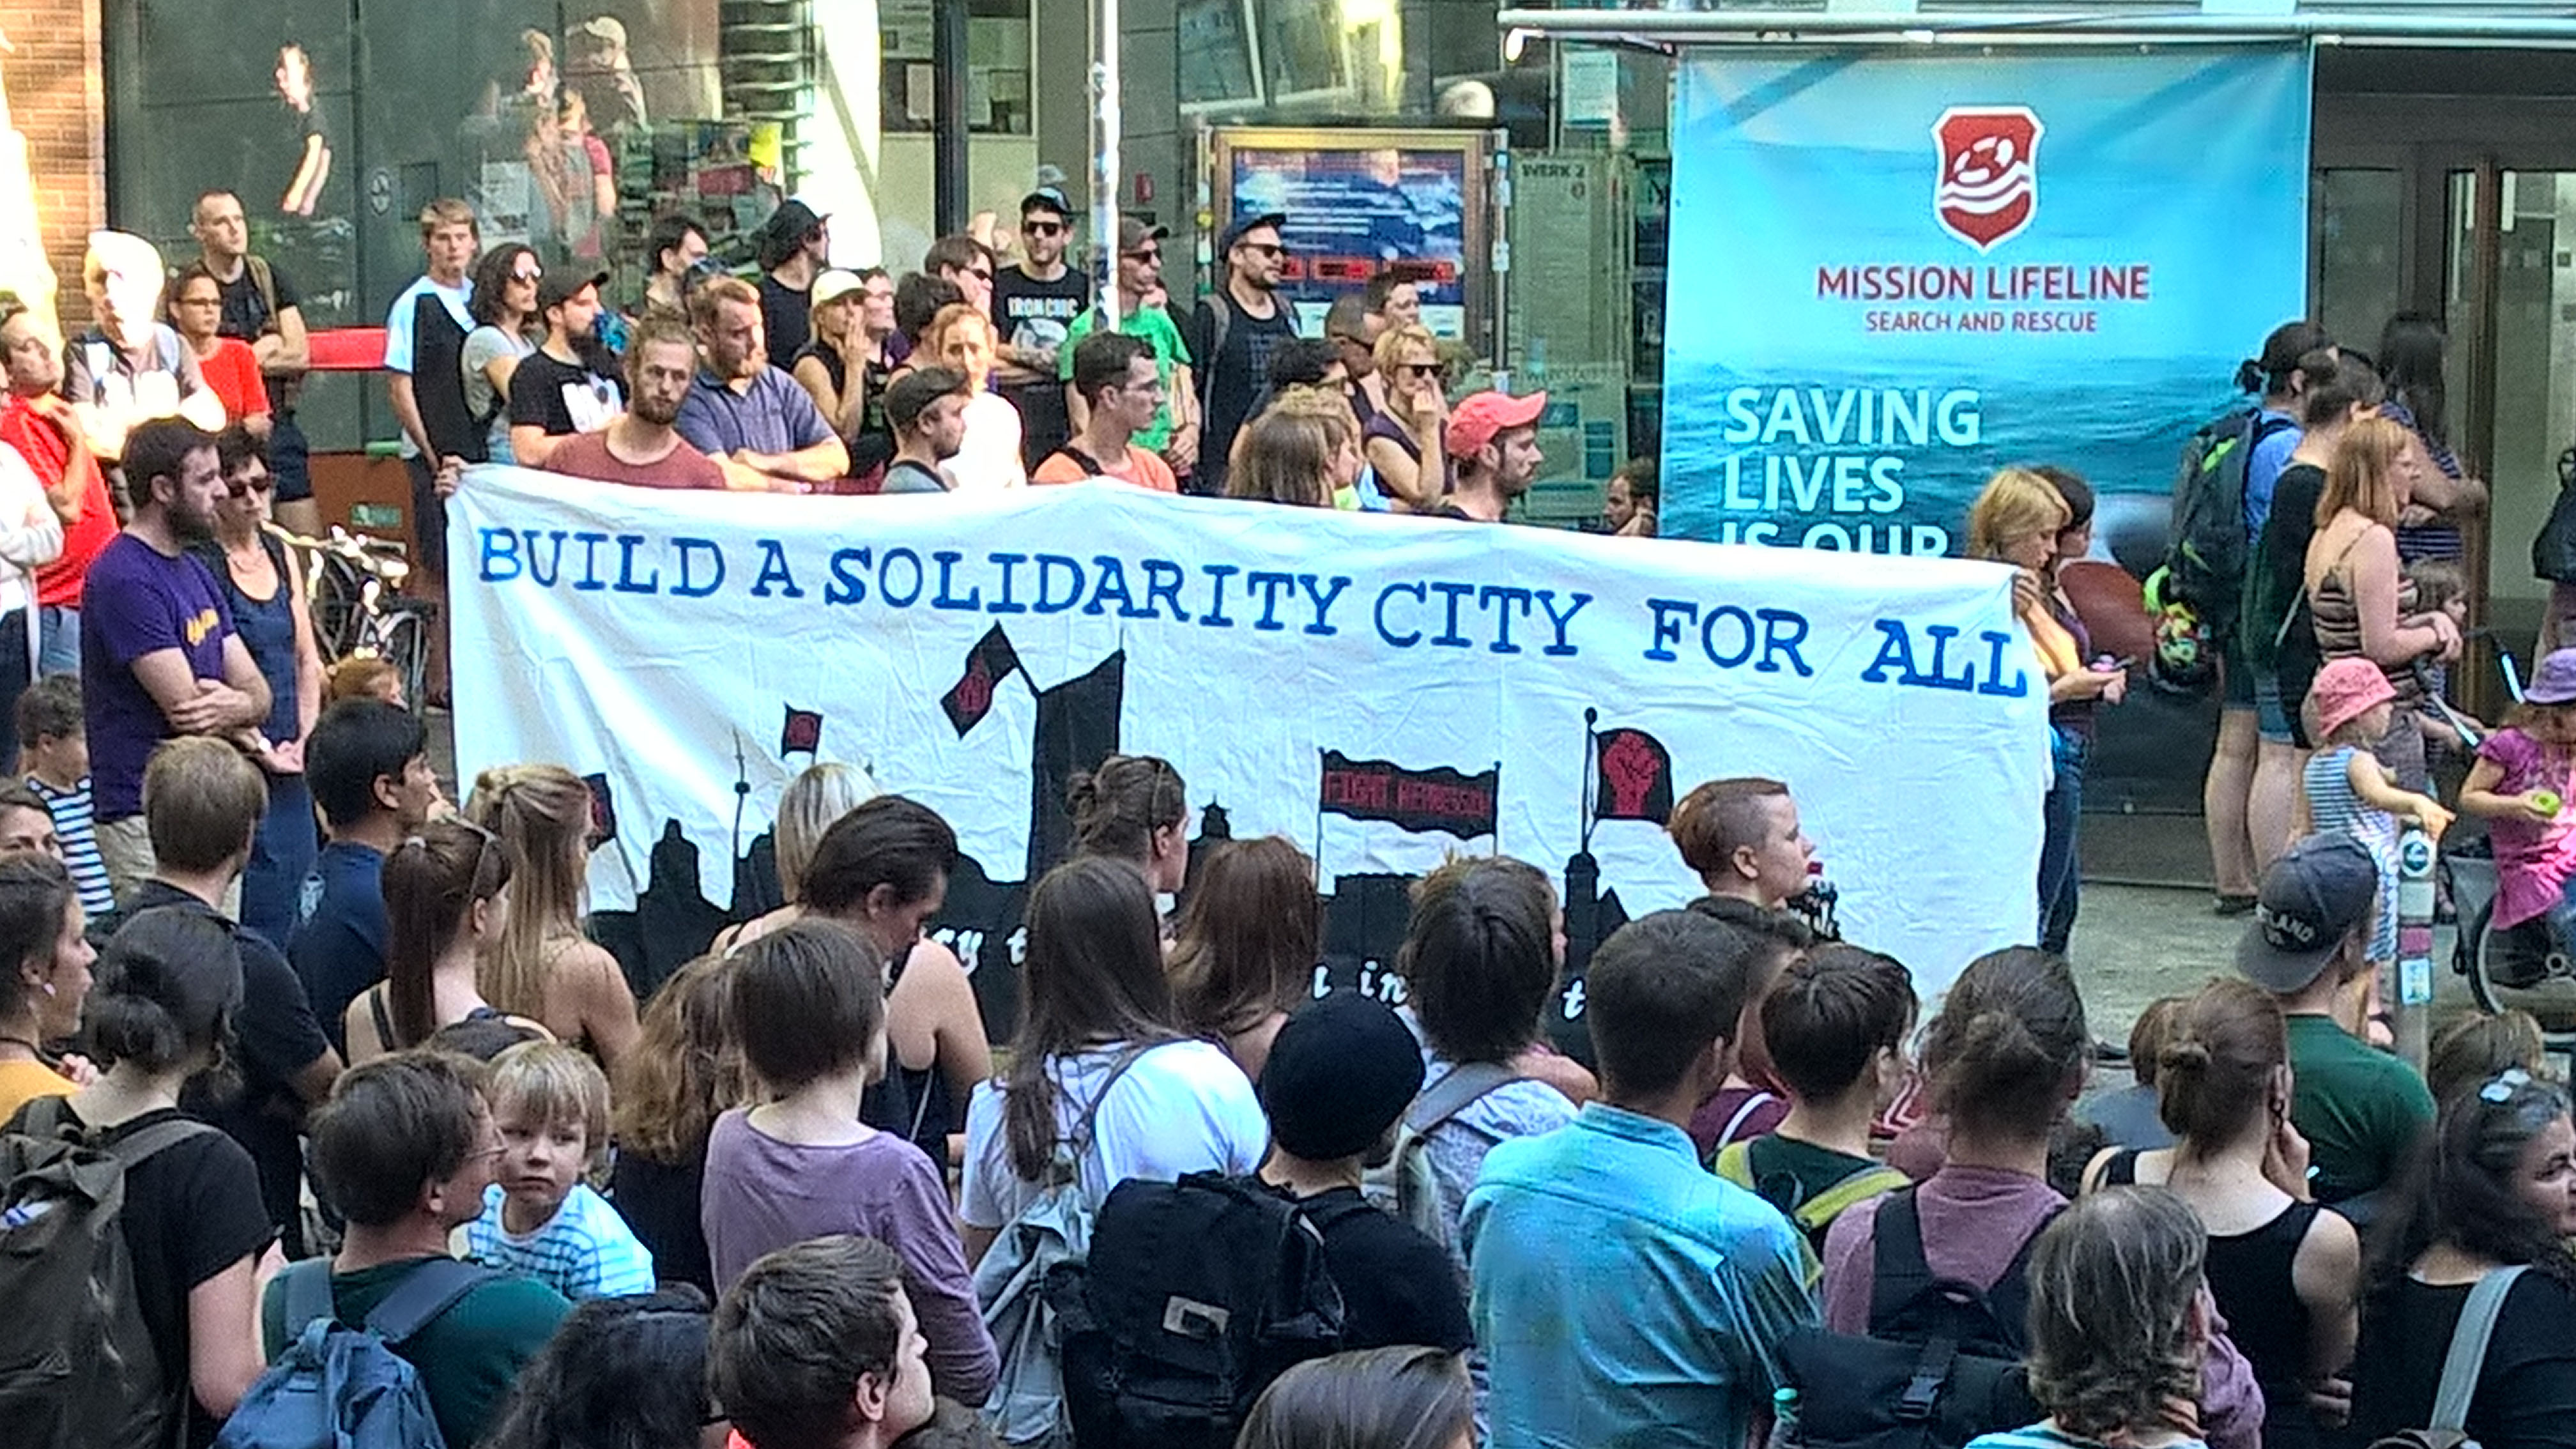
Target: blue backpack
337 1387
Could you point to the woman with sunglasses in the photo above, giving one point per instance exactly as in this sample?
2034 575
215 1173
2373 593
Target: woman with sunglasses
1404 438
2494 1195
273 620
508 327
447 901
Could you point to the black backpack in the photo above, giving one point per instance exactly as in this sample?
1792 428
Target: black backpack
1941 1363
2206 551
1196 1295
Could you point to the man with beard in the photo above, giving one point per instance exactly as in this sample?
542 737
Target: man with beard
159 657
1232 335
569 384
795 245
1033 303
744 412
641 447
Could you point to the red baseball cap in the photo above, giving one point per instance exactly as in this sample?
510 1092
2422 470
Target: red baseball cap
1477 420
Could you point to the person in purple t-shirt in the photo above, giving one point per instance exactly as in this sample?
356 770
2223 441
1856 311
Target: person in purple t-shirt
159 657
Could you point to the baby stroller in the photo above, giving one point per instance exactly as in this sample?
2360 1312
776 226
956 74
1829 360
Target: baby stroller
2516 960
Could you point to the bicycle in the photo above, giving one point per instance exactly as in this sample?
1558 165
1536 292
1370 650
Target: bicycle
353 587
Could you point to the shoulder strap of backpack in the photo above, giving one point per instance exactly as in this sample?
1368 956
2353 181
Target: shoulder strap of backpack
1734 1162
1860 1185
1326 1216
1080 1141
384 1019
1464 1087
264 282
133 1151
1897 1270
47 1116
2468 1351
307 1286
2008 1300
430 1290
1089 465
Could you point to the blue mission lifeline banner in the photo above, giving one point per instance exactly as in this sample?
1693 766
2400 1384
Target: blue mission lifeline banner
1894 275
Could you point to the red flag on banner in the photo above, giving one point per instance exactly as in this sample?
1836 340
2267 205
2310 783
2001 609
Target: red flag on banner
987 664
1632 777
803 732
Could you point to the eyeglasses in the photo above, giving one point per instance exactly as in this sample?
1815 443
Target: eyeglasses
201 301
1044 228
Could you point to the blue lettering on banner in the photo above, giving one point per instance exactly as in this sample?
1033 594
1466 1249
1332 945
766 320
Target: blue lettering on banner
849 576
1163 581
1110 582
590 581
1896 651
1053 567
885 578
689 548
1411 637
1269 583
1323 601
627 583
773 568
1216 617
1003 603
946 598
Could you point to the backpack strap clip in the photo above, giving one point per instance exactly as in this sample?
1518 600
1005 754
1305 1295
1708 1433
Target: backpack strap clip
1931 1370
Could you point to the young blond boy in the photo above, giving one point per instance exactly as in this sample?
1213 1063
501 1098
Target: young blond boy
550 1102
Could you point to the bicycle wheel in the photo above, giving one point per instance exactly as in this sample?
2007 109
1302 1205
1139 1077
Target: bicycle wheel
401 638
339 609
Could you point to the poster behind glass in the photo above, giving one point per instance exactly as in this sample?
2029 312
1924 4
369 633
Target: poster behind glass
1363 202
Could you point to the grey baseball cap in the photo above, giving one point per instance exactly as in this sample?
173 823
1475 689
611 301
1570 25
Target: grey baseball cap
2311 901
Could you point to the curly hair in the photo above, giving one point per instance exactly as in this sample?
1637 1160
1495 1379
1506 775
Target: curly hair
2112 1284
686 1068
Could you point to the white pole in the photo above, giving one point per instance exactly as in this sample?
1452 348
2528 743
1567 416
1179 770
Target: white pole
1104 156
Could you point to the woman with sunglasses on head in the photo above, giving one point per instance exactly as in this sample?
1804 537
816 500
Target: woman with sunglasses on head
2494 1194
270 613
447 901
1403 439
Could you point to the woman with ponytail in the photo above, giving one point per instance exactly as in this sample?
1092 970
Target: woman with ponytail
2495 1189
2286 1272
49 977
447 905
2006 1058
545 966
1134 808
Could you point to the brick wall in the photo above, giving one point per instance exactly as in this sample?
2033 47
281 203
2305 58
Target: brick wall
58 101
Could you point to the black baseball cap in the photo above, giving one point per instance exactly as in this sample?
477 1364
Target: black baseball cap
911 394
1275 220
1046 198
2311 901
559 286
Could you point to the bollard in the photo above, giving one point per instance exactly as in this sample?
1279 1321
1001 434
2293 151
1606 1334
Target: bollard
2414 1000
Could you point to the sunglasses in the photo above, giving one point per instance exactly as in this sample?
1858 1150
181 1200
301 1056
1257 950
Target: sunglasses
981 274
525 274
1044 228
260 484
1420 369
1144 254
1272 250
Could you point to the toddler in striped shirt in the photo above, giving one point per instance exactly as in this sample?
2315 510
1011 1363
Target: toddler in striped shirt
53 749
541 1219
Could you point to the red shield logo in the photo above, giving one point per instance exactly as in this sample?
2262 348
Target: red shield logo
1989 184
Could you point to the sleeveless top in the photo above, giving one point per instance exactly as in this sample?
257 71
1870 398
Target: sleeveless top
2250 1274
267 629
2337 617
2332 806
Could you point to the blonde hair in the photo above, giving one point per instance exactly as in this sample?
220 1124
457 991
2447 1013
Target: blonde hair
1394 341
819 795
541 815
448 211
551 1083
122 251
951 317
2015 503
1326 405
2362 474
1287 457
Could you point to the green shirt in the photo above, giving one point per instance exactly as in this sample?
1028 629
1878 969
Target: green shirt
1154 326
467 1357
2360 1109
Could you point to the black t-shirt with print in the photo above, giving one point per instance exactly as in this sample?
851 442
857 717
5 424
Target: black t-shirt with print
1238 375
562 397
1397 1285
1035 314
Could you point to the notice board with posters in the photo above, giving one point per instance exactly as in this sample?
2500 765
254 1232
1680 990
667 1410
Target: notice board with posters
1385 692
1916 268
1364 201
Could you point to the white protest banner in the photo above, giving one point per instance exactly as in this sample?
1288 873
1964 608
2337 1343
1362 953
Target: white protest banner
1384 691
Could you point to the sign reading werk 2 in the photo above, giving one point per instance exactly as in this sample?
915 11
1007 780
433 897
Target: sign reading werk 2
1385 692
